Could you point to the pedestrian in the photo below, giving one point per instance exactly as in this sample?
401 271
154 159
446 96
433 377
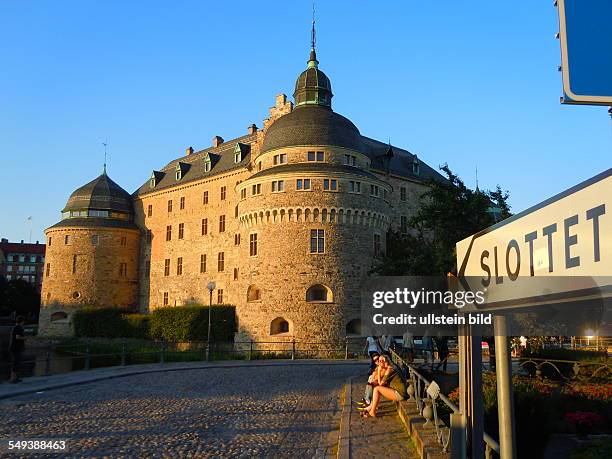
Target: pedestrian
408 346
428 350
373 348
16 346
386 341
442 346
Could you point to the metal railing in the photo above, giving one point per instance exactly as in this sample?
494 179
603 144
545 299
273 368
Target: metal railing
425 395
59 358
567 370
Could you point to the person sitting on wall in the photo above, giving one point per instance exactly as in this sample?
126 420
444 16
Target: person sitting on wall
373 380
16 346
391 386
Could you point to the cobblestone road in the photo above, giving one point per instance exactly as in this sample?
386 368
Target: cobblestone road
289 411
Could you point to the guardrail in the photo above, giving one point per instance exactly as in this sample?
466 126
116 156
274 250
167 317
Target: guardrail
65 358
425 395
567 370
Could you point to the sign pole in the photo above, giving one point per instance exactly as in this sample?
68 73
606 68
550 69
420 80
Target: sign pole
470 391
505 399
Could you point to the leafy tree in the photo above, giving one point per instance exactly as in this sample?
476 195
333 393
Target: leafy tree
449 212
20 296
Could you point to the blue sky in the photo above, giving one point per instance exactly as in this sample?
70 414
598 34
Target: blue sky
468 83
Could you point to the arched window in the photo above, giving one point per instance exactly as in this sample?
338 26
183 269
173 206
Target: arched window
279 326
319 293
59 315
253 293
353 327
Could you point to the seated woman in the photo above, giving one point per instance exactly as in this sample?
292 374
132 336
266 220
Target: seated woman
391 386
373 380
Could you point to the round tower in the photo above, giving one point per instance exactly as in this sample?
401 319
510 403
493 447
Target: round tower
91 257
315 219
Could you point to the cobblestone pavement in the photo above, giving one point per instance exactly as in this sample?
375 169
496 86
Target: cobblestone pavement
285 411
377 438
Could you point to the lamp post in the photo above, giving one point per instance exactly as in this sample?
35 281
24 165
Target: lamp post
210 286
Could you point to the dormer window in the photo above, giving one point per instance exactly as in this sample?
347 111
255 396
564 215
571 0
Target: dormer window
237 154
415 166
207 164
178 174
152 181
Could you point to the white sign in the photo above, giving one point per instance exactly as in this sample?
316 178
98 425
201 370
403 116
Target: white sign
558 250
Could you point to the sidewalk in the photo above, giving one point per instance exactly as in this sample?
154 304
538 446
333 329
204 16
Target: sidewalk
371 438
44 383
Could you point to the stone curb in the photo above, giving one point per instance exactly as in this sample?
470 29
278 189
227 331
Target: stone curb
344 437
89 376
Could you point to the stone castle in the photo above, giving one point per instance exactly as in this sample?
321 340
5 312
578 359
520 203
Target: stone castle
287 220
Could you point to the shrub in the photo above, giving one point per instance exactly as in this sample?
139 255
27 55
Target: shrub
190 323
110 323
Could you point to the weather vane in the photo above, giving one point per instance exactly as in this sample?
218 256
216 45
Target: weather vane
313 36
105 143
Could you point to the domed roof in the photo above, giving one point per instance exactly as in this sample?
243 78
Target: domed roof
312 125
313 86
100 194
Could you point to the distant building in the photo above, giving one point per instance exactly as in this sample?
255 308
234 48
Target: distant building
19 260
288 220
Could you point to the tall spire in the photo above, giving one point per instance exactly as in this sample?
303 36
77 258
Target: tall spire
105 143
313 62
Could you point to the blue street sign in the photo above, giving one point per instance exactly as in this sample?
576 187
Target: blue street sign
586 51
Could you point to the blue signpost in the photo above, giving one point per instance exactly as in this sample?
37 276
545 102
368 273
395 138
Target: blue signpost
586 51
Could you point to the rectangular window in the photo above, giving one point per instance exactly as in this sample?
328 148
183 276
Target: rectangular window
402 193
350 160
221 261
220 296
49 243
204 226
221 223
150 210
330 184
243 193
374 190
223 193
169 233
9 268
123 269
67 239
182 203
256 189
320 156
280 159
165 298
181 233
235 273
278 185
404 224
149 236
317 241
95 239
123 241
237 239
316 156
377 245
74 264
48 270
167 267
169 205
253 244
205 198
179 266
203 263
302 184
354 187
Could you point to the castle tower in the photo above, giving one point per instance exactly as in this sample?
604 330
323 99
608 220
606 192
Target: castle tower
91 257
315 219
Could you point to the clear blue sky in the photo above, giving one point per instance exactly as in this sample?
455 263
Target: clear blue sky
460 82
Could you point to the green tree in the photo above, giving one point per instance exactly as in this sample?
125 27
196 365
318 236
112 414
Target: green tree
20 296
449 212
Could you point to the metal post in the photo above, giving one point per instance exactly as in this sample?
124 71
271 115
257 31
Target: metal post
293 349
457 433
161 354
345 348
470 391
505 402
251 350
208 335
47 363
123 354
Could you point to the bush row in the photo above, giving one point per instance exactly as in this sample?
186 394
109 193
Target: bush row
173 324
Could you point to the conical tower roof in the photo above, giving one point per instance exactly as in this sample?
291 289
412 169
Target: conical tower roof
102 193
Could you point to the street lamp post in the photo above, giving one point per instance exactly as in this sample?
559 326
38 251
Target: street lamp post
210 286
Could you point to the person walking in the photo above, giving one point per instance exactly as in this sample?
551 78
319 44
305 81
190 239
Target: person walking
428 350
442 346
373 348
16 346
408 346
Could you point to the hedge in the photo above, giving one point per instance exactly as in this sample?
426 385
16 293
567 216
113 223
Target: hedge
173 324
